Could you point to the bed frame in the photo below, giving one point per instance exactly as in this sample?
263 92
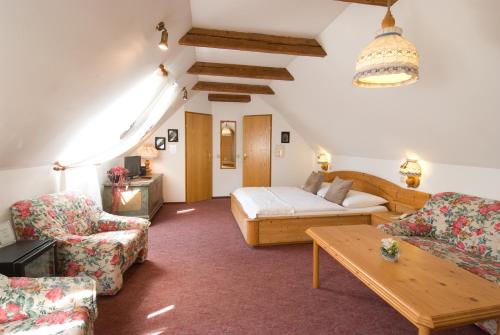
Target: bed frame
291 229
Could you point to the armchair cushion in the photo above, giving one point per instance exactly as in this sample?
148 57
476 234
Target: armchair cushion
109 222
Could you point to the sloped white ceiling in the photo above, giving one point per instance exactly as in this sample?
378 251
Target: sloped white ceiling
452 115
63 62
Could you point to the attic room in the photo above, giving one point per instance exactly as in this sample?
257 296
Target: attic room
250 167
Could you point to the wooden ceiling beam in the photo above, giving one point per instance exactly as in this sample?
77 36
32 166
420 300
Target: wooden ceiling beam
229 97
222 39
371 2
232 88
241 71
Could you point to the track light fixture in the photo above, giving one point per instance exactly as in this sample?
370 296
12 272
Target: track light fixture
184 94
164 36
163 70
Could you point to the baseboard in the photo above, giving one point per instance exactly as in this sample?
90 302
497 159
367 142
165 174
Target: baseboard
223 197
174 203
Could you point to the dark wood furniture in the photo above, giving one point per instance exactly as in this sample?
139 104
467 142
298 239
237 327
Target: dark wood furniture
29 258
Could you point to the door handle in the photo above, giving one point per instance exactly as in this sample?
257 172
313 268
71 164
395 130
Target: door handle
209 156
244 156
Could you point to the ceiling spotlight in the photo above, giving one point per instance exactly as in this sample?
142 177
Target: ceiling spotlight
184 94
164 36
163 70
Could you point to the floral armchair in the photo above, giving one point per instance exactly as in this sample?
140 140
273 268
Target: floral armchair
63 306
461 228
89 241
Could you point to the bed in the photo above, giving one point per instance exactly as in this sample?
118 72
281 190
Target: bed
286 222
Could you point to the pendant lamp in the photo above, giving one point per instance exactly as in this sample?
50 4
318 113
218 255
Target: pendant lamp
388 61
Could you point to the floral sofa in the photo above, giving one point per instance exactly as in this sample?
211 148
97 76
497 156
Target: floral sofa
89 241
62 306
460 228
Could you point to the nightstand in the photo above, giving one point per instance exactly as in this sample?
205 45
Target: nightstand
29 258
384 217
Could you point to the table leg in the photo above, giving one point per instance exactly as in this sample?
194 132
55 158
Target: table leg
423 330
315 265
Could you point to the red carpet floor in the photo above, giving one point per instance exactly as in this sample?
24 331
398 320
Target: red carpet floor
208 281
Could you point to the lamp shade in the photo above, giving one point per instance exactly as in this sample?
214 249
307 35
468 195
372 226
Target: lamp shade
390 60
226 131
410 168
148 151
322 158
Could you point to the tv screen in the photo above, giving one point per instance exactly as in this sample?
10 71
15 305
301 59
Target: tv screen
133 165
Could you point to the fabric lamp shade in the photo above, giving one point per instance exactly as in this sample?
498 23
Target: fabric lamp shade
410 168
148 151
322 158
226 131
388 61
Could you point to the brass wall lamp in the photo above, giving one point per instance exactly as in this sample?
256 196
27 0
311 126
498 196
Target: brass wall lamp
164 36
163 70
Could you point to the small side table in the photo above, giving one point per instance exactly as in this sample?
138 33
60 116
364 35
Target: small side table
384 217
29 258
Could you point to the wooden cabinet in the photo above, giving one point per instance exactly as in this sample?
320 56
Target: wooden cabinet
384 217
143 198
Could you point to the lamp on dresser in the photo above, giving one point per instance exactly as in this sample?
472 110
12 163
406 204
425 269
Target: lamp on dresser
148 152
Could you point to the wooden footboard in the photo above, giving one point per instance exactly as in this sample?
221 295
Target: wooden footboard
287 229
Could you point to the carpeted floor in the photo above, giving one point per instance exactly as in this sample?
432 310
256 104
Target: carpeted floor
206 280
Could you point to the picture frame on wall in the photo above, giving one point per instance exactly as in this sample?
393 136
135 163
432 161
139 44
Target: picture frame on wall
160 143
285 137
173 135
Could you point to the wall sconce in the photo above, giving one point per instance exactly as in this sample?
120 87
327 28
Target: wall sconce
163 70
184 94
412 170
164 36
323 161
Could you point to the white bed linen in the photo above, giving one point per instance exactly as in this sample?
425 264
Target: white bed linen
282 201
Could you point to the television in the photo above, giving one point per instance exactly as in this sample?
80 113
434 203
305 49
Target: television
133 165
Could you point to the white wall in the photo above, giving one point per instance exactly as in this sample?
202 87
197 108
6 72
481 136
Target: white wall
292 169
23 184
435 177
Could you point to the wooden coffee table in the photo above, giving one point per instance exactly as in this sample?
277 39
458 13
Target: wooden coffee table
430 292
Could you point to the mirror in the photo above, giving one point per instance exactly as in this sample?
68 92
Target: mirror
228 144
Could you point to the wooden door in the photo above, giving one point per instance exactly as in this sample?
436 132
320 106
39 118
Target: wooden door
257 150
198 157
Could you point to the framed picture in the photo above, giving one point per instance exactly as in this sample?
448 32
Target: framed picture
160 143
285 137
173 135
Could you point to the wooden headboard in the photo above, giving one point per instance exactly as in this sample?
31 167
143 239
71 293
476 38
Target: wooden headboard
400 199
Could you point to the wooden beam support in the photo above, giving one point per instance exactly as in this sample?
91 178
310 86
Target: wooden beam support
232 88
242 71
371 2
229 97
222 39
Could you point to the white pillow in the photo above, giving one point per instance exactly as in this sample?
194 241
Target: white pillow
323 189
357 199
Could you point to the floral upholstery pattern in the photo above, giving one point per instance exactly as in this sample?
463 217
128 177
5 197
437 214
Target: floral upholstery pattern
89 241
460 228
50 305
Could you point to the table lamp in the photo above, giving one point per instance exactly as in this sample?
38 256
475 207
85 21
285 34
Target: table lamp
147 152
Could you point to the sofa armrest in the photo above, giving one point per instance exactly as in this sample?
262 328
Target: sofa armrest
25 297
413 226
110 222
